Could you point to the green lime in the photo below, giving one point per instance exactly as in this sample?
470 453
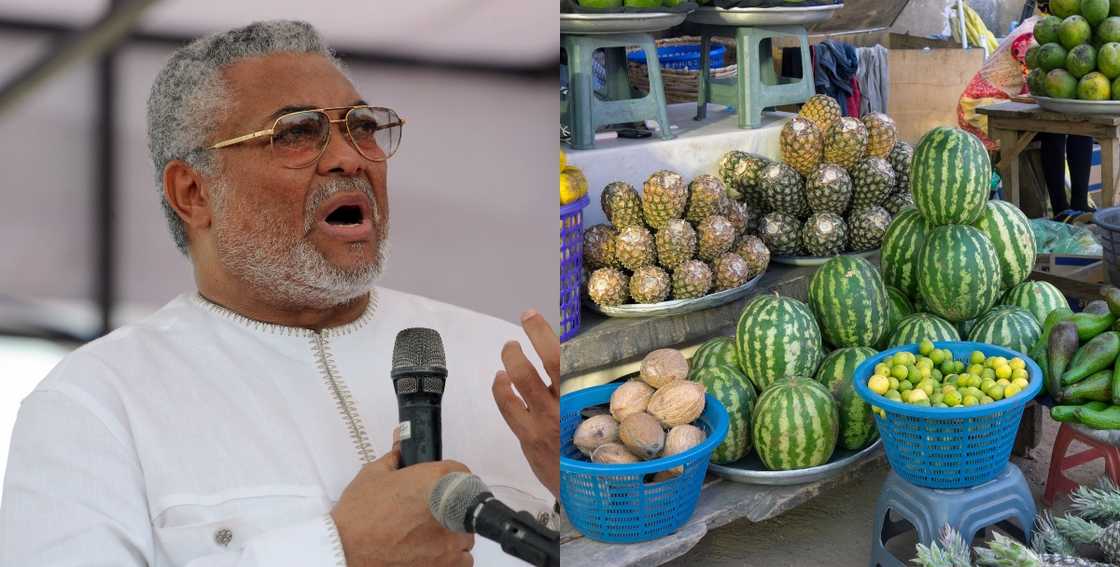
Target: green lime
1108 59
893 382
952 398
899 358
1094 11
986 400
1065 8
899 371
1031 59
642 3
1116 88
893 395
1094 86
904 385
936 374
1074 31
958 366
671 3
937 398
1046 30
1109 30
1080 61
1060 84
952 379
970 400
988 374
976 357
925 347
601 3
882 369
1036 81
1051 56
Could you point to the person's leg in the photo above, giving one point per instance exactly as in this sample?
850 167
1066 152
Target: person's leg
1079 153
1054 169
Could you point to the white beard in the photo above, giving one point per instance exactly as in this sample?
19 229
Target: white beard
290 271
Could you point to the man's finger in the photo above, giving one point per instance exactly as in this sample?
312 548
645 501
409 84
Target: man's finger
390 461
546 343
511 407
525 377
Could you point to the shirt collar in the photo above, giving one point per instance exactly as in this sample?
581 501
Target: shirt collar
273 328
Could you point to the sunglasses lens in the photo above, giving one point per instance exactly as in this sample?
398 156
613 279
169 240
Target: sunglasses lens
298 138
376 132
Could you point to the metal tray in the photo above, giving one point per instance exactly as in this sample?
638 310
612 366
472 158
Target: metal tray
676 306
800 16
816 260
628 22
1073 106
750 470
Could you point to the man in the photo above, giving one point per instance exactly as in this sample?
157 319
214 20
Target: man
251 423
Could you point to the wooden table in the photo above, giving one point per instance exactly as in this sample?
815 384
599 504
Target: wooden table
1014 124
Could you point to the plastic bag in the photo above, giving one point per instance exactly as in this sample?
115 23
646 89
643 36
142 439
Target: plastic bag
1052 237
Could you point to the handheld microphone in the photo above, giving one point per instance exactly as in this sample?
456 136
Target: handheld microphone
419 372
461 502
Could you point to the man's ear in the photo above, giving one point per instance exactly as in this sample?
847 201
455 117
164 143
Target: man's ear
184 190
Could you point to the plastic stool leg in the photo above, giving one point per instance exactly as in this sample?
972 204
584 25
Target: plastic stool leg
808 80
750 86
1112 464
1054 478
703 93
618 81
656 89
581 92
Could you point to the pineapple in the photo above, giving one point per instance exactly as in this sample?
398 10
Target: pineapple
872 181
801 143
784 190
881 134
781 233
866 228
1101 503
897 201
633 247
822 110
739 216
824 234
754 252
691 279
1048 539
829 189
649 284
664 196
739 173
750 181
845 143
608 286
675 243
598 247
716 234
706 197
1080 531
900 157
731 271
622 205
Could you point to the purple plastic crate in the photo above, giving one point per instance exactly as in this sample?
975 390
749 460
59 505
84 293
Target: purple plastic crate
571 265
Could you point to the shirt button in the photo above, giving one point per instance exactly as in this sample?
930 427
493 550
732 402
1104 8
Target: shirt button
223 536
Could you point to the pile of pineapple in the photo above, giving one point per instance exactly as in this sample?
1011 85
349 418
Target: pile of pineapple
837 187
675 239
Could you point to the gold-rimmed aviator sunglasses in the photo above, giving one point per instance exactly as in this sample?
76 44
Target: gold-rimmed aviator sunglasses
299 138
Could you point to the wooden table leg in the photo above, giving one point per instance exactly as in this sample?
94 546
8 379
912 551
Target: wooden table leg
1009 148
1109 162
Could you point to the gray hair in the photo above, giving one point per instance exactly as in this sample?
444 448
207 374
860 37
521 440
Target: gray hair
185 104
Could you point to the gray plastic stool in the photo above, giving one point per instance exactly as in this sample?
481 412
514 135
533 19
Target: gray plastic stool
967 510
583 112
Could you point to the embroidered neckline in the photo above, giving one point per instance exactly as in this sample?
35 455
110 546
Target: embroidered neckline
276 329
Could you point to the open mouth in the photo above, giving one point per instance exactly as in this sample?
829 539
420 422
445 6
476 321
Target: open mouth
346 215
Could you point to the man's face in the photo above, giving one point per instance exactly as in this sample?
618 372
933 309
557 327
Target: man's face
308 237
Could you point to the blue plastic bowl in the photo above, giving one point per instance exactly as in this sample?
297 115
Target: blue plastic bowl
949 448
682 57
614 503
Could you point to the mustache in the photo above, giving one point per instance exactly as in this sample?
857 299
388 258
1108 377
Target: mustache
334 186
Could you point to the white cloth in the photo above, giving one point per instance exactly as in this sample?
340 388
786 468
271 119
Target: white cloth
199 437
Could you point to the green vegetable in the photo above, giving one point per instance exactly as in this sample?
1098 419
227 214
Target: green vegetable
1108 418
1097 387
1090 325
1098 307
1098 354
1061 348
1068 413
1111 295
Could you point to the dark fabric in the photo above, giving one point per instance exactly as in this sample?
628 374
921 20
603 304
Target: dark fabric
1079 154
770 3
835 67
1057 149
573 7
855 100
791 62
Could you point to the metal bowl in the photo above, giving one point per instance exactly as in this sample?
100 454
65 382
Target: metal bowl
816 260
629 22
750 470
676 306
800 16
1074 106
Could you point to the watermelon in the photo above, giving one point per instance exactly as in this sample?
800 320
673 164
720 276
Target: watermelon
720 351
900 307
857 424
795 424
914 328
950 176
958 273
1007 326
850 301
1010 232
777 337
732 388
902 243
1040 298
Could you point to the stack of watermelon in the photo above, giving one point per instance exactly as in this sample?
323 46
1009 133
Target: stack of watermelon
950 259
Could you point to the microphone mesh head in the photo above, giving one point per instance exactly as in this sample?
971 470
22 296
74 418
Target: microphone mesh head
451 499
419 347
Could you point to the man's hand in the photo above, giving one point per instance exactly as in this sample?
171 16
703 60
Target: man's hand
534 417
383 518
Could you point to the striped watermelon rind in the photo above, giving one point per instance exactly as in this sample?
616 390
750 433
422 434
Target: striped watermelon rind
1039 298
914 328
902 243
850 303
950 176
857 423
732 388
777 337
1011 236
959 274
795 424
900 307
1007 326
720 351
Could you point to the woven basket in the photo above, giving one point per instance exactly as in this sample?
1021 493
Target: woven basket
682 85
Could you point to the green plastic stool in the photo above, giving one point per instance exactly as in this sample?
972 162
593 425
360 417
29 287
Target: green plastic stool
757 85
583 112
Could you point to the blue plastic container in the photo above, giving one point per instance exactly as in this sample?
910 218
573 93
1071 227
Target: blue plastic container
949 447
615 503
682 57
571 265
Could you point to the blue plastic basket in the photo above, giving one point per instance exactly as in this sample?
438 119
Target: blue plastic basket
571 266
949 447
682 57
614 503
